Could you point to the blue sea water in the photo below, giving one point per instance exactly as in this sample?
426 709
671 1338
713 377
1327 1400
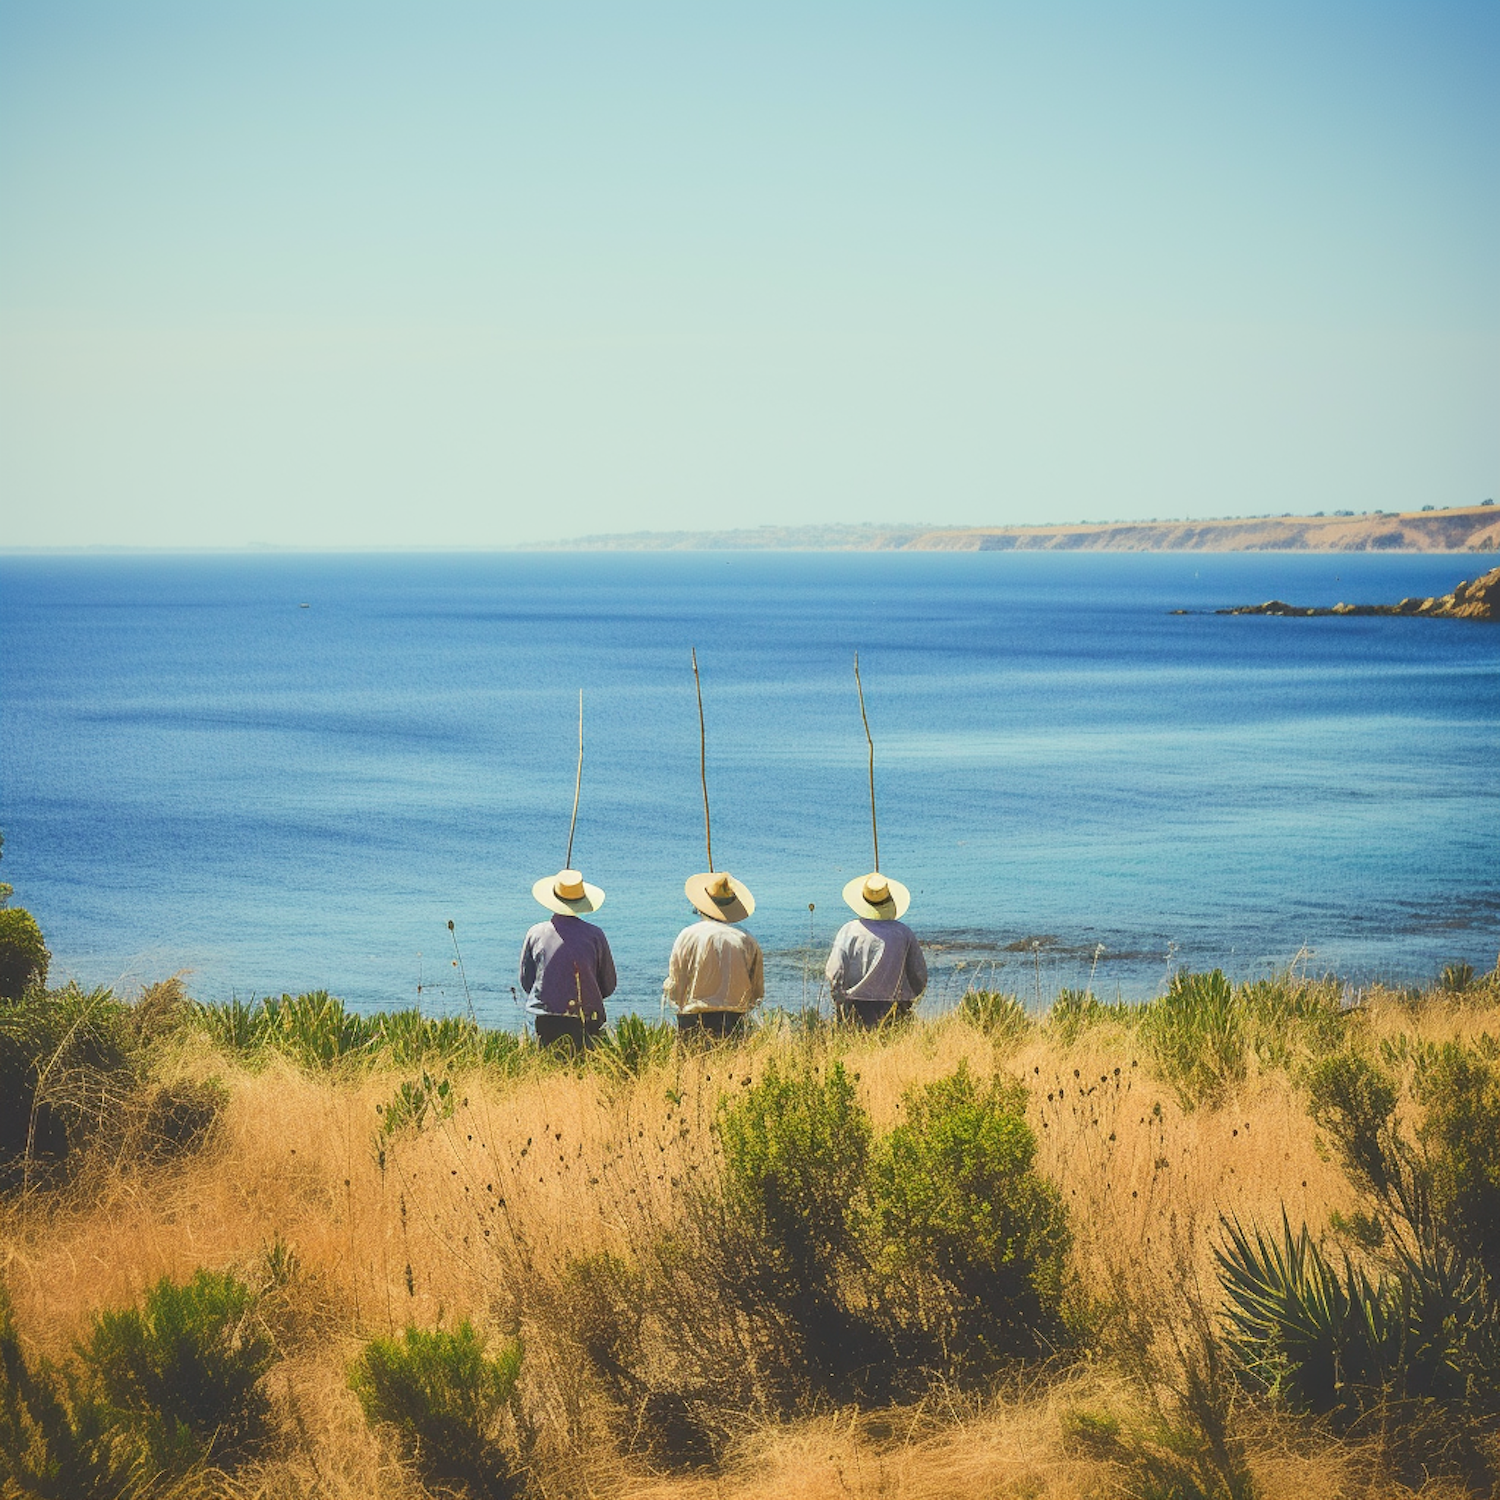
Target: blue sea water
199 773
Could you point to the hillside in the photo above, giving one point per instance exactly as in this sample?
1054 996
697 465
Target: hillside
1474 528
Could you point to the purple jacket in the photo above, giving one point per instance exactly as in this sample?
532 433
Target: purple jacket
567 968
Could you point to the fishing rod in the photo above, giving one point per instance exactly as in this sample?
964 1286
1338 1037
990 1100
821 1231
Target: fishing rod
874 826
708 831
577 785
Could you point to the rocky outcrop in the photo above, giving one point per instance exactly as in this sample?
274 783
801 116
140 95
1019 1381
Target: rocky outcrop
1477 599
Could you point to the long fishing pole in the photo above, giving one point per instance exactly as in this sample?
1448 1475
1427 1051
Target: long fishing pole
874 826
708 831
577 785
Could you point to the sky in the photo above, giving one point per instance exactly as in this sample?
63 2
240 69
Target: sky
472 275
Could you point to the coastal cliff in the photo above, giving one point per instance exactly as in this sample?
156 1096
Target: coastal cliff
1473 528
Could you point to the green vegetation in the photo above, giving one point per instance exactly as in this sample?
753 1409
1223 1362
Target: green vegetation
318 1031
998 1015
23 954
972 1241
66 1071
181 1372
826 1261
153 1392
444 1401
807 1220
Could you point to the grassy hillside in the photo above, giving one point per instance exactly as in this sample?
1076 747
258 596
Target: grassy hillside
989 1254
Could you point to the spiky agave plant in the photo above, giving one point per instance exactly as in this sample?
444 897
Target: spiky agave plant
1332 1340
1298 1326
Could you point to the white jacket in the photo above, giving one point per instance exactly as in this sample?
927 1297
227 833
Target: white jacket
714 966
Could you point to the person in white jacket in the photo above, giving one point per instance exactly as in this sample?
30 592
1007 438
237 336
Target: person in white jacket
876 970
716 975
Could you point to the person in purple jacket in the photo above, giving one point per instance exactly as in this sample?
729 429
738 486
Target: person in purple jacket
567 969
876 970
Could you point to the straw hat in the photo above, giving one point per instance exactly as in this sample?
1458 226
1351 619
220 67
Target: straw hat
719 896
566 893
873 895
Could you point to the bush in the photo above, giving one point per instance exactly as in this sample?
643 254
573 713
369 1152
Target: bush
23 955
1077 1011
414 1102
1457 978
787 1229
183 1370
180 1117
1460 1137
998 1015
1355 1102
66 1071
972 1239
313 1029
1198 1037
56 1440
634 1046
819 1263
444 1400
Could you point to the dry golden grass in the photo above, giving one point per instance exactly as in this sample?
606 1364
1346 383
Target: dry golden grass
457 1219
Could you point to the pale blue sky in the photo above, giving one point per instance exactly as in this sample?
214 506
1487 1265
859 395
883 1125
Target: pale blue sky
354 275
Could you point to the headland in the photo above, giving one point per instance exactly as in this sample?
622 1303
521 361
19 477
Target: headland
1471 528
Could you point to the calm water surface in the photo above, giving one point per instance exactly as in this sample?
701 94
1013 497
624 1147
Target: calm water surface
200 774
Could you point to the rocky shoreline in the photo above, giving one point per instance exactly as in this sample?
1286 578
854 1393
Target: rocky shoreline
1476 599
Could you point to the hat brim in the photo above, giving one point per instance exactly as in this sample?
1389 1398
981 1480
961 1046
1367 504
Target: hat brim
742 903
887 910
591 900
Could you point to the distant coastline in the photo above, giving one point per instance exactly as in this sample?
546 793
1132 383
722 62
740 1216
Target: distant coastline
1472 528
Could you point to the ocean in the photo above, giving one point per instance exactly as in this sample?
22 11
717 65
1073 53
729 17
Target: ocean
290 772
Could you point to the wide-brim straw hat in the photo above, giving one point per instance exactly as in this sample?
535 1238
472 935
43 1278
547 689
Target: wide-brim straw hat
874 895
567 894
719 896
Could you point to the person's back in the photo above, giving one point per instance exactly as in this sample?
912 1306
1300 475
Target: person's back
715 967
876 968
716 974
567 969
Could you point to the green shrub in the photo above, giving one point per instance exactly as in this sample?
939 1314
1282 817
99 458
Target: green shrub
443 1399
1457 978
57 1441
787 1226
66 1073
233 1025
314 1029
23 954
972 1238
1460 1137
183 1370
317 1031
1077 1011
163 1010
1198 1037
1355 1102
633 1046
1000 1016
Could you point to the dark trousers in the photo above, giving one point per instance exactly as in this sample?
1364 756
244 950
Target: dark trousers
872 1014
550 1030
720 1023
